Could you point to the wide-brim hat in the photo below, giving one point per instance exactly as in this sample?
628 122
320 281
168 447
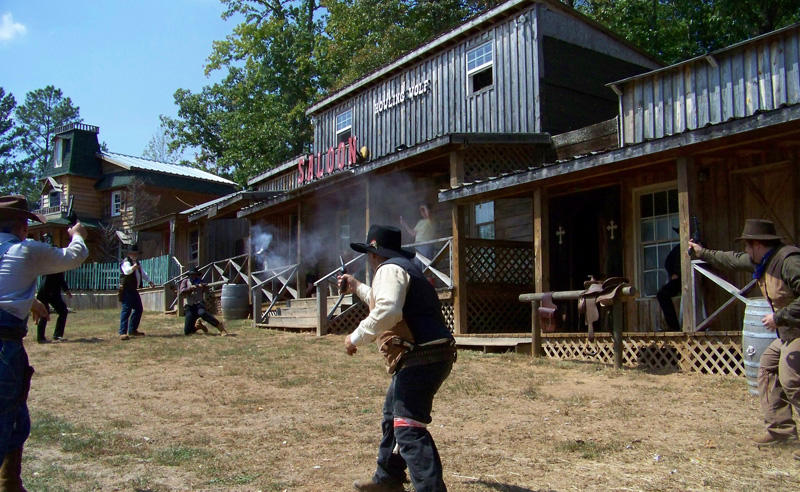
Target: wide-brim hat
193 271
135 249
383 241
758 230
16 207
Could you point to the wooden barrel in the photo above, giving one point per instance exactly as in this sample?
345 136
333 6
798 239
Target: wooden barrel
755 339
235 301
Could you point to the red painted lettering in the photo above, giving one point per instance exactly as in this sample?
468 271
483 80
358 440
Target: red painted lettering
352 154
330 157
310 169
300 171
331 163
320 167
341 156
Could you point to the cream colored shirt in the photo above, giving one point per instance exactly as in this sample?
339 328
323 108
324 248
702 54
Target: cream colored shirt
424 231
389 288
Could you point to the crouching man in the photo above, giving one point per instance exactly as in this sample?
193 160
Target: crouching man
195 311
406 321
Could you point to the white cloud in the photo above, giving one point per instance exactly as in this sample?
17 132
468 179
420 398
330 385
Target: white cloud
10 29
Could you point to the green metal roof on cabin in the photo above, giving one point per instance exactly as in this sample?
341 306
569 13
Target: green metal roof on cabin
161 180
81 160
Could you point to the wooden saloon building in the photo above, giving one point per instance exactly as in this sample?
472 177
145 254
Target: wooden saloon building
480 101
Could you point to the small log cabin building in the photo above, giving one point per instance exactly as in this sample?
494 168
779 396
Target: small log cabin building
476 102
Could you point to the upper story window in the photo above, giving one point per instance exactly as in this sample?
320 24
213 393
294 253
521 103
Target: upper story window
484 220
61 149
479 67
344 125
116 203
54 199
658 218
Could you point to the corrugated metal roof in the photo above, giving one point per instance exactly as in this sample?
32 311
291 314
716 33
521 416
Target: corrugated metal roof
131 162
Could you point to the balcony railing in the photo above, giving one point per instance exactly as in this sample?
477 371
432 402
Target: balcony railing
57 209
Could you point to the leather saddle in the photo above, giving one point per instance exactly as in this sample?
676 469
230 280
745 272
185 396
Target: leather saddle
597 294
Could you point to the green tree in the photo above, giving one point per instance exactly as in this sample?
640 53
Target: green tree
675 30
43 111
255 117
16 177
159 149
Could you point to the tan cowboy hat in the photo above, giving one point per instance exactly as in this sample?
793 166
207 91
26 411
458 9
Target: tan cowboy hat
758 230
16 207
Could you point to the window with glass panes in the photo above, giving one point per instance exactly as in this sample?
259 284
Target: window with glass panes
484 220
344 125
479 67
658 212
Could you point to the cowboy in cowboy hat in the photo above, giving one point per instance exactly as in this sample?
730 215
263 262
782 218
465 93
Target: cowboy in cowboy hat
22 260
132 278
193 288
776 267
406 321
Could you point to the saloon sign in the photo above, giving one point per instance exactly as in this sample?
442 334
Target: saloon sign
316 166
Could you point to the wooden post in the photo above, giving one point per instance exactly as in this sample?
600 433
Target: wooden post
367 218
322 309
456 168
540 266
536 330
617 336
687 186
250 280
460 324
258 298
300 276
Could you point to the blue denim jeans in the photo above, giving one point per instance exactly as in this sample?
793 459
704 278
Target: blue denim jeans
131 312
15 374
192 313
410 395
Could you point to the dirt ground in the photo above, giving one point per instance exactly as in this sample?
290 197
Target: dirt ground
274 411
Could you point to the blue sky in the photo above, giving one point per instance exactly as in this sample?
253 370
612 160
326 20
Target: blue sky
119 60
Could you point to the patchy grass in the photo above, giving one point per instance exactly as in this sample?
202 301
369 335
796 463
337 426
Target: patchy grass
274 411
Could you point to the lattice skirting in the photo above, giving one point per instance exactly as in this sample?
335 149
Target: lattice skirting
711 353
494 310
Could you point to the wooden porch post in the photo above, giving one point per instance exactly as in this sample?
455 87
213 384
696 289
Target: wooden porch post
687 189
460 324
301 289
256 299
367 219
541 274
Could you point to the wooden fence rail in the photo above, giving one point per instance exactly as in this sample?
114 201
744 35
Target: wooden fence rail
105 276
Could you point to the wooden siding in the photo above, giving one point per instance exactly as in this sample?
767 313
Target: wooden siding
760 75
88 202
447 107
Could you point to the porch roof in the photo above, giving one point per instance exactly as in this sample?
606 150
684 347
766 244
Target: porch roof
718 136
227 206
436 145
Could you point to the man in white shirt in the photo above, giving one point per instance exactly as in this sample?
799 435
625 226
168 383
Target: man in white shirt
133 278
406 321
21 261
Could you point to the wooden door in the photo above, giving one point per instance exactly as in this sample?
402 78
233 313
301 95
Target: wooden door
585 240
767 192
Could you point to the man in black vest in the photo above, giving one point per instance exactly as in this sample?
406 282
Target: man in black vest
406 321
133 277
776 267
50 295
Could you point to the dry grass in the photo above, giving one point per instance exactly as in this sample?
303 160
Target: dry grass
271 411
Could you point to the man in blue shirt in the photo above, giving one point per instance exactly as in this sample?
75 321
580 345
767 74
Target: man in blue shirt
21 261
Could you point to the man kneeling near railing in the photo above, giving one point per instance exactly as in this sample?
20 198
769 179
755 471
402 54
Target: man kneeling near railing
193 288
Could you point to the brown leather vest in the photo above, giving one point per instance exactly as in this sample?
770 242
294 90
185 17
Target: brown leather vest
777 292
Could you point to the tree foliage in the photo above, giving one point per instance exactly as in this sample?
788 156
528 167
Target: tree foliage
158 148
675 30
15 178
43 111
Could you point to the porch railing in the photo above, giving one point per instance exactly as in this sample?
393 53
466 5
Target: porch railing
273 284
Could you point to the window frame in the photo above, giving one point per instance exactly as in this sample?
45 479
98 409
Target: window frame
348 129
478 225
116 203
50 195
479 69
641 244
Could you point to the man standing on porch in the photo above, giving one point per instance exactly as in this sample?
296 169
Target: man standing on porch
776 267
406 321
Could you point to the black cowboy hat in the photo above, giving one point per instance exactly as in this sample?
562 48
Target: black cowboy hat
134 249
383 241
193 271
16 207
758 230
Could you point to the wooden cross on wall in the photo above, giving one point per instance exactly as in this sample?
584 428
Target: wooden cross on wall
611 227
560 233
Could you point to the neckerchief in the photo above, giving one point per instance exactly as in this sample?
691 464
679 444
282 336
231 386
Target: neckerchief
759 271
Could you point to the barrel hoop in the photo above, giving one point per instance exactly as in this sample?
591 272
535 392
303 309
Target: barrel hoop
752 364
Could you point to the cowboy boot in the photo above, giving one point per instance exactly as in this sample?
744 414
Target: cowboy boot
222 331
200 326
11 471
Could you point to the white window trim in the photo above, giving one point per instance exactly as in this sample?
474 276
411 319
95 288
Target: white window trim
339 131
485 64
57 160
114 194
638 260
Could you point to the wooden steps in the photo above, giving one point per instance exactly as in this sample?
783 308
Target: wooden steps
300 315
